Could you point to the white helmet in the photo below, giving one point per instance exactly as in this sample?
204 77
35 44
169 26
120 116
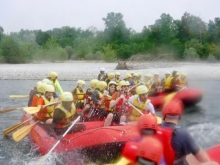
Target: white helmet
102 69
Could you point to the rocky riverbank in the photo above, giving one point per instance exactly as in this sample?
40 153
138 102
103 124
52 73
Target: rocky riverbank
74 70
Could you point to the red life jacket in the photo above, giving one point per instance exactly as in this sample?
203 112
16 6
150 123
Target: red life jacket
165 136
119 106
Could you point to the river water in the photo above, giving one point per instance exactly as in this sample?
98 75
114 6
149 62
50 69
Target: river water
201 120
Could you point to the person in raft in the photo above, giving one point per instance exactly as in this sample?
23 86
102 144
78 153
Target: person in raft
63 116
102 75
182 143
46 113
79 94
53 76
141 102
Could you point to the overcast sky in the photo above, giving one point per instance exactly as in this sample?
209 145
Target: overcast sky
48 14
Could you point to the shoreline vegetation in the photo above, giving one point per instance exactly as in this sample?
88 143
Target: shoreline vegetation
189 38
87 70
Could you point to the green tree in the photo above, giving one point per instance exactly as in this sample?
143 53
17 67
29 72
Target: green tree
42 37
1 32
12 51
116 33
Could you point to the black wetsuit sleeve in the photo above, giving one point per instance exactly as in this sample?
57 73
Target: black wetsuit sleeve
58 115
95 97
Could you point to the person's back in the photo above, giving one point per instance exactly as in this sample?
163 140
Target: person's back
177 142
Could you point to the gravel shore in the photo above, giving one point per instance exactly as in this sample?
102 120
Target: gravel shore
75 70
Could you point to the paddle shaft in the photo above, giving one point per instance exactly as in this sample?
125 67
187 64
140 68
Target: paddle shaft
14 127
64 134
134 86
135 108
9 110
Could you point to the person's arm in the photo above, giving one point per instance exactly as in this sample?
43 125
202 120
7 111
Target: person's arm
116 100
57 85
202 156
150 108
95 97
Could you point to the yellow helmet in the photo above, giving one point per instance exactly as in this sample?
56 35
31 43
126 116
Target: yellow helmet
38 83
66 96
111 76
177 74
141 89
47 81
124 83
156 74
183 75
49 88
139 74
112 83
101 85
80 83
149 75
128 75
117 74
135 75
168 73
53 75
41 87
93 83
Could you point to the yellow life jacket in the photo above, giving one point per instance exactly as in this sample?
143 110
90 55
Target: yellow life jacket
68 116
148 84
139 105
46 112
80 95
168 82
136 82
117 81
100 98
182 83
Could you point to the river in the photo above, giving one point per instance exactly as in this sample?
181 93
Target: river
201 120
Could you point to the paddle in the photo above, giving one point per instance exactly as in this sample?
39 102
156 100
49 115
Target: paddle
19 96
32 110
21 133
45 156
159 120
9 110
14 127
135 86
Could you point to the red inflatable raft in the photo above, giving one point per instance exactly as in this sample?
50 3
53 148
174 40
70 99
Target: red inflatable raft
188 96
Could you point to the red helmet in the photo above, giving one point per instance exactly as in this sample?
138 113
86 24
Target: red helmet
129 151
150 149
147 121
173 107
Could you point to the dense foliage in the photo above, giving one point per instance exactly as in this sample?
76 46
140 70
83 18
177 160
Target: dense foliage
189 38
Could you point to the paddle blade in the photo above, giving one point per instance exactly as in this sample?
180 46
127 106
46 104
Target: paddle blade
169 97
159 120
32 110
9 110
12 128
21 133
19 96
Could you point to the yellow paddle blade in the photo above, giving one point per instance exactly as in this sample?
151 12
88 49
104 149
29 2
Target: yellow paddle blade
19 96
32 110
159 120
9 110
122 161
12 128
21 133
169 97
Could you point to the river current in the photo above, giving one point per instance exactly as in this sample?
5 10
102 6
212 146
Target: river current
201 120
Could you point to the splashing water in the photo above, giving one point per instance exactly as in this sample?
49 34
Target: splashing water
206 134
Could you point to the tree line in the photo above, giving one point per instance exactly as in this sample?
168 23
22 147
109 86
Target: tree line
187 39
